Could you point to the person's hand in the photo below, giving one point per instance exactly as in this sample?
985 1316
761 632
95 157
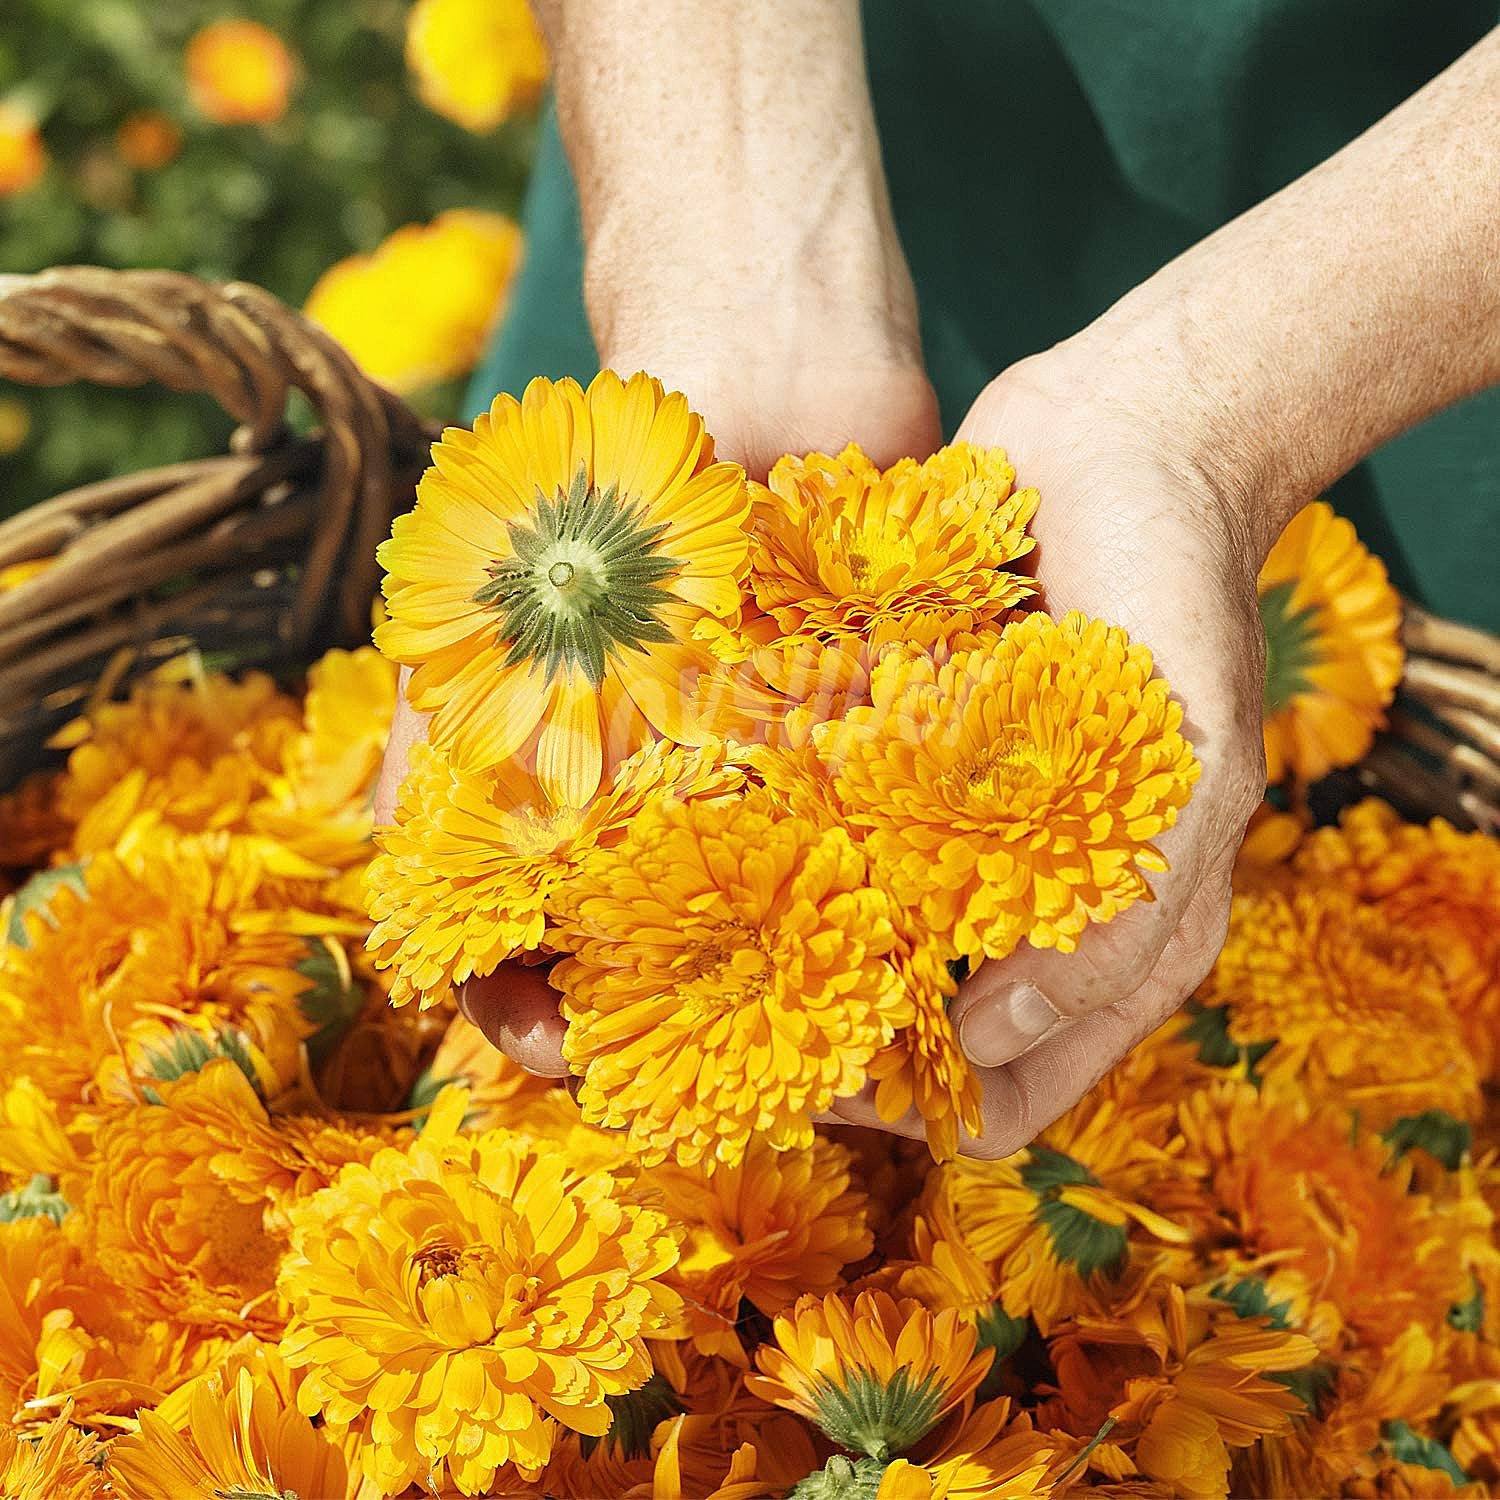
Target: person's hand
842 386
1135 526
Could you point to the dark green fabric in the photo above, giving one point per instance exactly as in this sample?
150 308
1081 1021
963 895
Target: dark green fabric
1044 156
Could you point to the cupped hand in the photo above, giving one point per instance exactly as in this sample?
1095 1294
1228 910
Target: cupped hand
814 398
1136 526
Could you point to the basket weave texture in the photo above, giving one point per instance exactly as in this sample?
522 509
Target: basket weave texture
263 555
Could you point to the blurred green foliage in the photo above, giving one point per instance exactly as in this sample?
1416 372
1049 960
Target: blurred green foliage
356 156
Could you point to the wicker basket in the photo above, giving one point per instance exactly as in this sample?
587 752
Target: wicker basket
262 556
267 554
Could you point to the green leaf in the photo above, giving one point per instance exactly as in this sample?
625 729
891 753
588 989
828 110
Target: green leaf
35 895
1409 1447
1209 1030
332 999
1438 1133
636 1415
1251 1298
38 1199
1468 1317
1309 1384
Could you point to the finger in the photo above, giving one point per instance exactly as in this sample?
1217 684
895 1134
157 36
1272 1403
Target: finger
1028 1094
516 1009
408 728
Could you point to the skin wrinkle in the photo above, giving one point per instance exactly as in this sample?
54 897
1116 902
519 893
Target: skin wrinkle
1171 439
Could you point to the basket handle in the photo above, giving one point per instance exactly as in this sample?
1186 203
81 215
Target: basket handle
238 344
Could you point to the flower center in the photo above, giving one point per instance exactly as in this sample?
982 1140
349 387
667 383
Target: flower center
1014 758
585 579
727 970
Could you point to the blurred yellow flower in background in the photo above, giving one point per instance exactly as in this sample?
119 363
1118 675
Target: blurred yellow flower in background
1333 646
148 140
477 62
15 428
23 158
418 308
239 73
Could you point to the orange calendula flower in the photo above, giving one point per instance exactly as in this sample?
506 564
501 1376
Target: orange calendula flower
180 1245
476 62
240 1434
60 1464
1013 791
841 547
418 309
1301 1185
1333 646
23 158
547 584
877 1376
466 875
977 1455
728 978
137 947
1191 1381
239 73
1343 1001
459 1298
1433 884
764 1231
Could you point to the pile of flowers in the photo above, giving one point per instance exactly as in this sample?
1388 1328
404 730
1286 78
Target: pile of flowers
810 749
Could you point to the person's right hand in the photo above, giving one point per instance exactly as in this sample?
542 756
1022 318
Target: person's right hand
840 384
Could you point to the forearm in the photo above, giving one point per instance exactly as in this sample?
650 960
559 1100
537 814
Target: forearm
1360 299
728 169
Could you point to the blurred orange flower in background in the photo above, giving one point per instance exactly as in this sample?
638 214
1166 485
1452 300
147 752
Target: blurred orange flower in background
23 158
239 73
148 140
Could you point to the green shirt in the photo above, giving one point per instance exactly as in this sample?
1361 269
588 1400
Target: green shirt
1044 156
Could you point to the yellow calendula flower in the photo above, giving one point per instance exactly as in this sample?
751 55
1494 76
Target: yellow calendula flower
1341 1000
477 62
728 978
417 310
764 1231
876 1375
1436 885
239 73
23 158
459 1298
180 1245
466 874
547 585
236 1431
58 1464
1012 791
1056 1218
1333 646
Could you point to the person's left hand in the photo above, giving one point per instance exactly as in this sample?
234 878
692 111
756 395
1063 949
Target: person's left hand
1135 527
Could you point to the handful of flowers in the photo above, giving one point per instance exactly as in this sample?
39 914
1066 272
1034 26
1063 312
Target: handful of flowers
766 768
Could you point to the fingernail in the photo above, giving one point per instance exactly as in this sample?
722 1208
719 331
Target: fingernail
1004 1026
461 1001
